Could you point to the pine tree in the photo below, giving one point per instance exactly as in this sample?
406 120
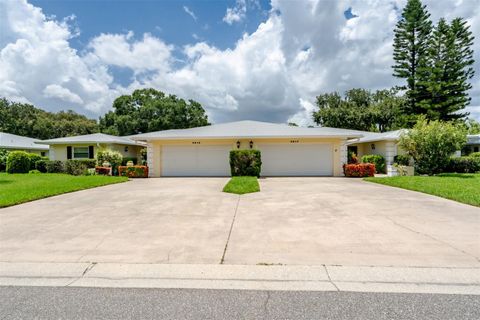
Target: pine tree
410 52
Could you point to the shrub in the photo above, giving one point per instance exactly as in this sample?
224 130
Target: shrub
33 157
113 157
127 159
41 165
133 172
359 170
377 160
18 162
143 155
3 159
431 144
463 165
352 157
79 167
475 155
54 166
245 163
402 160
103 170
34 171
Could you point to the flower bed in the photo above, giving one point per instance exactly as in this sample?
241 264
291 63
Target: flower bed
106 171
359 170
133 171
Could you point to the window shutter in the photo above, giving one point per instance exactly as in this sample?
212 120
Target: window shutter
69 152
90 152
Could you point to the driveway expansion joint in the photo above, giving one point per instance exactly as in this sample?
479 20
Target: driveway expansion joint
230 231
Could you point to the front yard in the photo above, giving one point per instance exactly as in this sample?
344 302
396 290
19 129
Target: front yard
463 188
19 188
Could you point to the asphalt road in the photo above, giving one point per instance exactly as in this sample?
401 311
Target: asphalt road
106 303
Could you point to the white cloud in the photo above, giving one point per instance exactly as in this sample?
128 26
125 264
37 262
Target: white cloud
304 48
56 91
236 13
190 12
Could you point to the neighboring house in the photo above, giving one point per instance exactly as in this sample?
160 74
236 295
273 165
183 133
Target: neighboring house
384 144
86 146
13 142
472 145
285 150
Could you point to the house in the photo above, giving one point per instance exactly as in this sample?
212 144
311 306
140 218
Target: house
12 142
472 145
384 144
86 146
285 150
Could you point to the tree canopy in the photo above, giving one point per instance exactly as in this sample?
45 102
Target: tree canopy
147 110
361 109
26 120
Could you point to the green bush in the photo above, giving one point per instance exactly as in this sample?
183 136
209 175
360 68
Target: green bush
402 160
133 172
377 160
463 165
475 155
3 159
54 166
79 167
143 155
34 171
431 144
126 159
113 157
41 165
245 163
18 162
33 158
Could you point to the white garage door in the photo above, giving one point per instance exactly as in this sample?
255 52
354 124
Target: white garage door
195 160
315 159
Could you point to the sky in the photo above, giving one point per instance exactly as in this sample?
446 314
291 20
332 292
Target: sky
241 59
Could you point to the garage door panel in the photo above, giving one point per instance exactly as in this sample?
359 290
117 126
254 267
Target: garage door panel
297 159
195 160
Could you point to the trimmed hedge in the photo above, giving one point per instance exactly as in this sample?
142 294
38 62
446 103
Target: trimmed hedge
467 164
133 172
245 163
18 162
402 160
377 160
33 158
41 165
54 166
105 171
79 167
359 170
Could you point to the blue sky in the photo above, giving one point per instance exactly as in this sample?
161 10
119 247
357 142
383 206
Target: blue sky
241 59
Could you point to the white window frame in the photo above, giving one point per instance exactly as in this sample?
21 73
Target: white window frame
73 152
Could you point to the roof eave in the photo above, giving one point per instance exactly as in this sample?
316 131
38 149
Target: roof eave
249 137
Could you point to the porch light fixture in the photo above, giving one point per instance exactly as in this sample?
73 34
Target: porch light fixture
126 149
373 146
238 144
251 144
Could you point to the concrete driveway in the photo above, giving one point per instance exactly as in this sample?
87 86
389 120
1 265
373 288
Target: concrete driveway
305 221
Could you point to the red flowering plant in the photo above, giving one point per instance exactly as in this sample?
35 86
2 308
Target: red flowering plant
133 171
359 170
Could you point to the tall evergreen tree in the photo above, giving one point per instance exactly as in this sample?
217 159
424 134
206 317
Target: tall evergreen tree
449 69
410 52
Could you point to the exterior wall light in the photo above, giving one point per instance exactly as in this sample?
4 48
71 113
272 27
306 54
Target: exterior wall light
238 144
373 146
251 144
126 149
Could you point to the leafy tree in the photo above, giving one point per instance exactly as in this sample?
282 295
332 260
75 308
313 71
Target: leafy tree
431 144
449 69
26 120
472 126
147 110
410 52
360 110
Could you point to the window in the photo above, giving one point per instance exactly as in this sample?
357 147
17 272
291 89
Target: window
475 149
42 153
80 152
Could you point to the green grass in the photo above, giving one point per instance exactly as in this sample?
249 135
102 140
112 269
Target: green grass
242 185
19 188
463 188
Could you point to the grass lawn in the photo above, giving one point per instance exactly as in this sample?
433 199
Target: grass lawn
19 188
454 186
242 185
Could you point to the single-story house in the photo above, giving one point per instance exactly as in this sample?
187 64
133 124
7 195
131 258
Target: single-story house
86 146
12 142
285 150
384 144
472 145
